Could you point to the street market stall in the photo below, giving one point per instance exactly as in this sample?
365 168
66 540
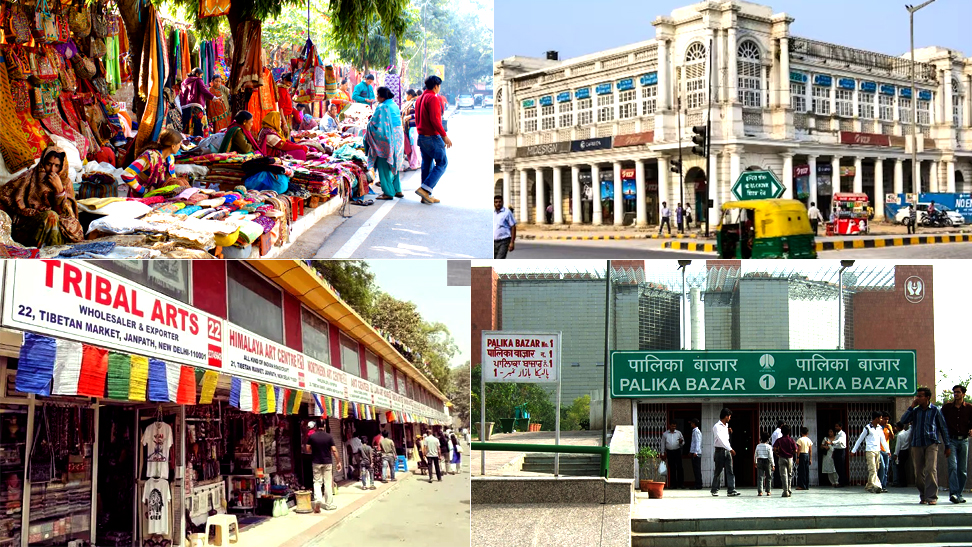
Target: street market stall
849 214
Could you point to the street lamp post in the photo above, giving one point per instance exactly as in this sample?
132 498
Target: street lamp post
915 168
844 264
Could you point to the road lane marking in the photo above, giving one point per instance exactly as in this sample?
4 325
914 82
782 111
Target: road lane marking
352 244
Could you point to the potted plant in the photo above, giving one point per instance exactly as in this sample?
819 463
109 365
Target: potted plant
648 460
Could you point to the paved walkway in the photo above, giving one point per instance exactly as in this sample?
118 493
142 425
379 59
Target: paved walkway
505 464
590 525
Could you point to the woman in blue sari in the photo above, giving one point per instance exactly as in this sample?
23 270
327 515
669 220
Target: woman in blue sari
386 144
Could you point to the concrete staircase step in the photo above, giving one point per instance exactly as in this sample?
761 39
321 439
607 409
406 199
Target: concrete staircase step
784 535
676 525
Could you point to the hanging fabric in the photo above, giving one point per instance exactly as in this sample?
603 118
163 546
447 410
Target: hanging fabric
94 370
151 77
67 368
119 375
16 145
35 367
138 379
158 389
208 388
213 8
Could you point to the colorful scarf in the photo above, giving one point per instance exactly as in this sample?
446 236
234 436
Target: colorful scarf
151 77
385 137
15 145
231 132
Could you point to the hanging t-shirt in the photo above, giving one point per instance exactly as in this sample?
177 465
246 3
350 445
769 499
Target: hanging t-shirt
158 439
157 497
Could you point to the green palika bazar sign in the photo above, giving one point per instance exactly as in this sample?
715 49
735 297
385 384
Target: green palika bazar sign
746 373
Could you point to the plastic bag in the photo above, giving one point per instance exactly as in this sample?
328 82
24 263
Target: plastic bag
662 468
265 180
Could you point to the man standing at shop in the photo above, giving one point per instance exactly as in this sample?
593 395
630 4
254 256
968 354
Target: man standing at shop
673 440
432 455
323 453
363 92
815 217
388 454
432 139
958 417
928 425
840 455
695 449
504 229
723 454
774 436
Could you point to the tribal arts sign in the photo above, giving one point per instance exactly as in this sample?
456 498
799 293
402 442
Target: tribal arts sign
806 373
521 356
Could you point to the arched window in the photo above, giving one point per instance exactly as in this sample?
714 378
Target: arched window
957 101
748 69
498 107
695 88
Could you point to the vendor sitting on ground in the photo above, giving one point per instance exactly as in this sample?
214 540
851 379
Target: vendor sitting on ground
275 145
386 144
154 167
239 136
363 93
41 203
193 99
329 122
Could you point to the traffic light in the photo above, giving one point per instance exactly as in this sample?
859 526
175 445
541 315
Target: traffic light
699 139
676 166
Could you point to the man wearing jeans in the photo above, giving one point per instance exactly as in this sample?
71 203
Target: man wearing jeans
928 425
388 454
958 417
432 455
432 140
323 452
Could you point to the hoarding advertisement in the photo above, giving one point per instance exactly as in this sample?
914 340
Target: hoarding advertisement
256 358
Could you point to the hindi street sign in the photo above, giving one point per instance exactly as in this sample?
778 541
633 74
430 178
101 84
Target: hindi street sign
757 185
747 373
521 357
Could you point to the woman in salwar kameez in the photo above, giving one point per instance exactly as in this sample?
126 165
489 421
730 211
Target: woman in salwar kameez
386 144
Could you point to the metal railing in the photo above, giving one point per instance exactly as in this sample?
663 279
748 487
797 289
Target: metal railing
604 451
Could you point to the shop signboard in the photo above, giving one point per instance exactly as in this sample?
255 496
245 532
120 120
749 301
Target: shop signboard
905 92
798 77
649 79
543 149
845 83
760 373
868 139
757 185
801 170
822 79
529 103
546 101
326 380
924 95
586 145
634 139
79 301
381 396
960 203
563 97
868 87
521 357
887 89
582 93
359 390
259 359
607 184
626 84
603 89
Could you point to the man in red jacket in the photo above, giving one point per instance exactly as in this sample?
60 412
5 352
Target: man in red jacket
432 139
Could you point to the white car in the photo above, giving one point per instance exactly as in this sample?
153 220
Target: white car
465 101
488 101
902 216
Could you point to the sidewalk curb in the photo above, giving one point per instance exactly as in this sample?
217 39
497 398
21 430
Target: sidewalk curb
841 245
538 237
308 535
695 247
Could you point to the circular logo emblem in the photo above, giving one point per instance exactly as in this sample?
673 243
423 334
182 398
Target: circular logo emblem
767 381
767 361
914 289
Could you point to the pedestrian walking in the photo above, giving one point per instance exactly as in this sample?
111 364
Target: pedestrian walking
774 436
666 219
388 454
680 218
723 454
815 217
367 479
432 455
673 441
432 140
958 417
324 456
764 464
827 449
504 229
785 449
928 426
805 446
912 219
840 454
456 453
885 466
695 450
872 437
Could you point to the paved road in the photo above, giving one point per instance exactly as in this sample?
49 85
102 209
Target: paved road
415 513
938 250
635 249
407 228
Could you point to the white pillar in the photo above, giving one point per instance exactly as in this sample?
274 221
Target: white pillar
898 176
524 201
858 175
641 208
541 199
731 60
947 106
575 195
950 177
663 177
558 197
598 218
735 167
787 175
933 183
664 92
835 177
784 82
717 57
507 181
812 163
618 195
878 189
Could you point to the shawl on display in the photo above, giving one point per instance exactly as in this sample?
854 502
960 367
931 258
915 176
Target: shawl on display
213 8
385 137
151 77
247 65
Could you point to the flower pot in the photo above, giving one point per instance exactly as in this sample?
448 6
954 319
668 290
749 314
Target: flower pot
655 489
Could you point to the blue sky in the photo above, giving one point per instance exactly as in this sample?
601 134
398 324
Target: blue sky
424 283
576 28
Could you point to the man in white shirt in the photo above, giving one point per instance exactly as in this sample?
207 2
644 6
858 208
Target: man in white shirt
872 437
777 433
673 441
815 217
504 229
666 219
902 448
695 449
723 454
840 455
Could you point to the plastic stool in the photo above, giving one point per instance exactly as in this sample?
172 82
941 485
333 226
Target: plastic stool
402 464
227 529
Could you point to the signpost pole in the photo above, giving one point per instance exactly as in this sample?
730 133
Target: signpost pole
560 382
482 412
607 353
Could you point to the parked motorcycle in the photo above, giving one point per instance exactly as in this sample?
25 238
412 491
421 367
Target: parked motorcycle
936 219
